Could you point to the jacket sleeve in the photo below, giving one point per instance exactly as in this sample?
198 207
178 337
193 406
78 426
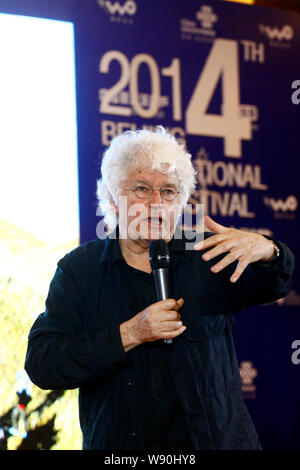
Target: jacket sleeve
262 282
59 354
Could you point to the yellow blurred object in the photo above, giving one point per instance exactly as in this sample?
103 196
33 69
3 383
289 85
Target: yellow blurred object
247 2
27 266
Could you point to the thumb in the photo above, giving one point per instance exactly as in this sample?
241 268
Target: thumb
180 302
214 226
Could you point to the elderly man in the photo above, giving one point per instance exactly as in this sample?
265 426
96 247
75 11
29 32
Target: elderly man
104 331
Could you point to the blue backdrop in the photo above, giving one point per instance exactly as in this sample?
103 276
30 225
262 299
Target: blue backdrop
224 78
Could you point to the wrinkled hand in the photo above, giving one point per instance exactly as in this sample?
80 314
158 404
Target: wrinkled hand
246 247
160 320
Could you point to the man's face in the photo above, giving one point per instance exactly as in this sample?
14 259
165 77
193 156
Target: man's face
153 217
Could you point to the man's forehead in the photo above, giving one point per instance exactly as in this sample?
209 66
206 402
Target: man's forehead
148 175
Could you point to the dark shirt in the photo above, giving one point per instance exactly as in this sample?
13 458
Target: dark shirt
76 342
163 418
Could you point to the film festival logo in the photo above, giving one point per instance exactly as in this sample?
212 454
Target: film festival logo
279 37
119 12
136 222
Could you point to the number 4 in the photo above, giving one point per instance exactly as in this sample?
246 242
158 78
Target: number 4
221 62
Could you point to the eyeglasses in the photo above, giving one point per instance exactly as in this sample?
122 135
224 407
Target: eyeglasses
142 191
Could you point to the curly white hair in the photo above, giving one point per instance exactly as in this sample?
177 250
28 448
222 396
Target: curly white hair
143 148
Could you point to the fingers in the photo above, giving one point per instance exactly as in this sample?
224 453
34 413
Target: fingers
173 334
180 303
160 320
228 259
166 310
211 241
168 315
221 232
242 265
170 325
214 226
169 304
235 244
218 250
169 321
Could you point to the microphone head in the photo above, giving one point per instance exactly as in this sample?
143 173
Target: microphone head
159 254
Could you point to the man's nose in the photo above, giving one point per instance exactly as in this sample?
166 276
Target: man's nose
156 197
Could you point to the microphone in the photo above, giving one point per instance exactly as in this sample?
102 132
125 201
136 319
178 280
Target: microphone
160 261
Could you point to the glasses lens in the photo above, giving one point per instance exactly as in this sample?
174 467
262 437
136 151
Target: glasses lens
168 194
143 192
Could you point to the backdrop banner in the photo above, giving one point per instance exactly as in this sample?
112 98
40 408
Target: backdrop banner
225 79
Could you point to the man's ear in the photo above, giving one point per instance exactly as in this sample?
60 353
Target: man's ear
116 209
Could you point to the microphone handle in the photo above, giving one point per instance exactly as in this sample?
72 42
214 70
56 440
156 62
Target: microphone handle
161 280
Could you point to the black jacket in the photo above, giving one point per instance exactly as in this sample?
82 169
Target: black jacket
76 343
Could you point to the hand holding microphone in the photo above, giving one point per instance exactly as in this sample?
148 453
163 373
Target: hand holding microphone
160 261
160 320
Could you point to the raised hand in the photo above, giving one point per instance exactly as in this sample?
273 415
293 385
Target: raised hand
246 247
